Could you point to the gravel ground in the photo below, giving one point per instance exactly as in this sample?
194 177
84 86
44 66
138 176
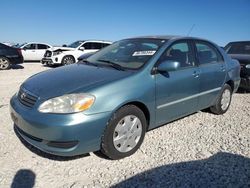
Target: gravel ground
201 150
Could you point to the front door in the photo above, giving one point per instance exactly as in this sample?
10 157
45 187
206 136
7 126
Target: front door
176 91
29 52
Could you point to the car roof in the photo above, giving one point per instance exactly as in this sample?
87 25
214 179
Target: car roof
168 37
36 43
94 40
243 41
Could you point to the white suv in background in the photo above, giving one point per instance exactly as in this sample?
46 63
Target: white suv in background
33 51
70 54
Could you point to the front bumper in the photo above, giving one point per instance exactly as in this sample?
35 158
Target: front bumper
63 135
51 60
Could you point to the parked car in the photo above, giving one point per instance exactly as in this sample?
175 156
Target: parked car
9 56
33 51
108 101
241 52
70 54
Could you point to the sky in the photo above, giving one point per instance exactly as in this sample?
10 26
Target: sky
65 21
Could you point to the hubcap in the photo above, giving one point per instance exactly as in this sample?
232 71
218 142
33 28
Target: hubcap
225 100
127 133
3 63
68 60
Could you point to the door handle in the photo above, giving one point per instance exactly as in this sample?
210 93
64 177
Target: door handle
196 74
223 68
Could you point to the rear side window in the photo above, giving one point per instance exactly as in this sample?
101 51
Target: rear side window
42 46
238 48
180 52
207 53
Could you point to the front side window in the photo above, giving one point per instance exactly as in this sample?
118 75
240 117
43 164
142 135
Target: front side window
92 46
180 52
129 53
207 53
30 46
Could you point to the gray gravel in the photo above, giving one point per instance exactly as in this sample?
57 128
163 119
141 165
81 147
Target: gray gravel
201 150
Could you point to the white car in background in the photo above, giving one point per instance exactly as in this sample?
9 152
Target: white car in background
70 54
33 51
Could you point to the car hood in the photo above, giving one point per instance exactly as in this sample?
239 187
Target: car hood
69 79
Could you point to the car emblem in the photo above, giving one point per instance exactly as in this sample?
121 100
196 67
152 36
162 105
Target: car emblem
23 95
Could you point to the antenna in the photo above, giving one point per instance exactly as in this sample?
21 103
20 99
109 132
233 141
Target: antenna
191 29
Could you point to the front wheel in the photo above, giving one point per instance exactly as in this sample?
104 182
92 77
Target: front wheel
68 60
4 63
223 102
124 133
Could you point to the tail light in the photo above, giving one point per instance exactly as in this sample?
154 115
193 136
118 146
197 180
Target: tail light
19 51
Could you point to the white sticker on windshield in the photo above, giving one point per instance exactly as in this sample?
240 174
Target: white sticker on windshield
141 53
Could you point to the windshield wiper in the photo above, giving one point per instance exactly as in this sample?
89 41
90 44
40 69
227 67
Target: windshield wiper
88 62
112 64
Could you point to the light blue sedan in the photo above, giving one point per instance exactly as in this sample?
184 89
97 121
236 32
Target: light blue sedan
108 101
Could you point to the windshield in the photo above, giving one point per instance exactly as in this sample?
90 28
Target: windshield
75 44
19 45
238 48
129 53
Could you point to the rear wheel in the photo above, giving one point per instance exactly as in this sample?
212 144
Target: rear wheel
223 102
68 60
4 63
124 133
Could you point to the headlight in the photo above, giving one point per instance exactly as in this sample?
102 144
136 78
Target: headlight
248 66
70 103
57 53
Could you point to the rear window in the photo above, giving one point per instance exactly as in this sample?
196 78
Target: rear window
238 48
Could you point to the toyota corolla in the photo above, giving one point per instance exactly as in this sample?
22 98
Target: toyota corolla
108 101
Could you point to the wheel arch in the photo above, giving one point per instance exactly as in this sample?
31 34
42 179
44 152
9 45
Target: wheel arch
142 107
66 55
231 84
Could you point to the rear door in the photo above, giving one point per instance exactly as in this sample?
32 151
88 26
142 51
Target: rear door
41 49
176 91
212 72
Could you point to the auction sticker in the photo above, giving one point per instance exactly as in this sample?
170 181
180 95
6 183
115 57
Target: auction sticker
141 53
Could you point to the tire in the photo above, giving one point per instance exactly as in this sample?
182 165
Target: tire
68 60
223 102
4 63
119 139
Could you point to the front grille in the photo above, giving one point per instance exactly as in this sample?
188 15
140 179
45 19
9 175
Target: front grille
26 98
48 53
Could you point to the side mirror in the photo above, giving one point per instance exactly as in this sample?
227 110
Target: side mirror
168 65
82 48
24 48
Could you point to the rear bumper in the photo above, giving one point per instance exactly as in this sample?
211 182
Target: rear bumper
245 83
16 60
